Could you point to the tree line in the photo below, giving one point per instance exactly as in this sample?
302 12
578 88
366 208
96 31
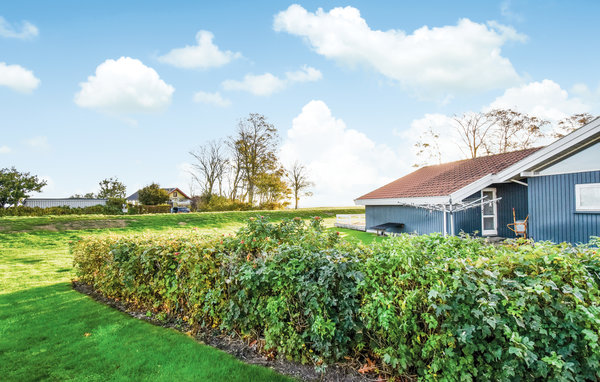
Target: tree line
245 168
494 132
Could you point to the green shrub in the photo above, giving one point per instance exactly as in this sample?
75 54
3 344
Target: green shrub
139 209
62 210
439 308
218 203
460 309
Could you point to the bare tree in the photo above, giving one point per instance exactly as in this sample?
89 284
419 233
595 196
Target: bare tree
513 131
234 172
209 166
299 182
474 130
428 146
569 124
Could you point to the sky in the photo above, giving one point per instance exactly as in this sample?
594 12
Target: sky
98 89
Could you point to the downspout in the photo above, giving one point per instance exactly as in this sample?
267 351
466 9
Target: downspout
445 222
451 218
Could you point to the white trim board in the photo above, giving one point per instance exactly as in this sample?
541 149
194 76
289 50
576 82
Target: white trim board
401 201
584 136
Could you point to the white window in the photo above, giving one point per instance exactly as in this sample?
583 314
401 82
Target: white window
489 212
587 197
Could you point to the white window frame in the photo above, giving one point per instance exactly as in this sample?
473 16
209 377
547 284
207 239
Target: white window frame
493 232
578 206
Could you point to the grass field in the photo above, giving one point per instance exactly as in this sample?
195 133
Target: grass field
50 332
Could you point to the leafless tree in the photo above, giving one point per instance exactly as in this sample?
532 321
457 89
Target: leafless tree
569 124
512 130
234 172
428 146
209 166
299 182
474 129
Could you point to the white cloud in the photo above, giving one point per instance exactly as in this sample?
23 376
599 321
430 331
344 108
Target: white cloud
211 99
447 142
5 149
18 78
39 142
431 61
544 99
267 84
344 163
506 11
306 74
124 86
204 55
26 31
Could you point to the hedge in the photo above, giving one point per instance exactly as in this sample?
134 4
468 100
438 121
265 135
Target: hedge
438 308
63 210
138 209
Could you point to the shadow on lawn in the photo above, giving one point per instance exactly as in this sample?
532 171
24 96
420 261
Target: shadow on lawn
55 333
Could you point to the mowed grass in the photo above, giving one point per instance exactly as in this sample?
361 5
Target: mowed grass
50 332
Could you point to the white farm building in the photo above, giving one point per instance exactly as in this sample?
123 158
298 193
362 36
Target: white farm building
73 203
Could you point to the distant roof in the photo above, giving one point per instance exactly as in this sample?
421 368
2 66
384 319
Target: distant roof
444 179
136 196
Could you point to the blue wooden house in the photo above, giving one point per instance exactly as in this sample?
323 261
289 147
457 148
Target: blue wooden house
555 188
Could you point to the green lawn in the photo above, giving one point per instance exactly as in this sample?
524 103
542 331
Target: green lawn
50 332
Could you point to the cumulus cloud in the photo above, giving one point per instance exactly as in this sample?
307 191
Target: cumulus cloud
5 149
124 86
344 163
431 61
26 31
544 99
447 141
203 55
267 84
39 142
18 78
211 99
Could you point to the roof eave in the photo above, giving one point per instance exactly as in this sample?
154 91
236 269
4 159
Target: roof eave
440 199
587 134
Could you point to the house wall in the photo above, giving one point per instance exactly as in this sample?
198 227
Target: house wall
552 214
422 221
416 220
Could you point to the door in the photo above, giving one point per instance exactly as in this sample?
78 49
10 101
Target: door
489 213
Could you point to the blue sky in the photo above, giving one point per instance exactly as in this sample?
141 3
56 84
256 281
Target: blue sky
90 90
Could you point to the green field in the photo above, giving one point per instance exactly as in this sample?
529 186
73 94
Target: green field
50 332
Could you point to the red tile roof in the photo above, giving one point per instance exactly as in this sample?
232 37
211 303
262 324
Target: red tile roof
444 179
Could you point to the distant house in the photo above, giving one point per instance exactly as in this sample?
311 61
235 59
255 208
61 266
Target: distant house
72 203
177 198
557 188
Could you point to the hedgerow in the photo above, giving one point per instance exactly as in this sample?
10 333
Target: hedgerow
438 308
62 210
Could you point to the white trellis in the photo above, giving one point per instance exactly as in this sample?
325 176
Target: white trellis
450 208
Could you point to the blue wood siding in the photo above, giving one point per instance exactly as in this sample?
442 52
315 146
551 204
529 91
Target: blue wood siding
422 221
552 214
467 221
513 196
416 220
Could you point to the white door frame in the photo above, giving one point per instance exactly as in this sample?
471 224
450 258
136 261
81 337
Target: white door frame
493 232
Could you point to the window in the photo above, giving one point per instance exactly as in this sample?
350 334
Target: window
587 197
489 213
175 194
